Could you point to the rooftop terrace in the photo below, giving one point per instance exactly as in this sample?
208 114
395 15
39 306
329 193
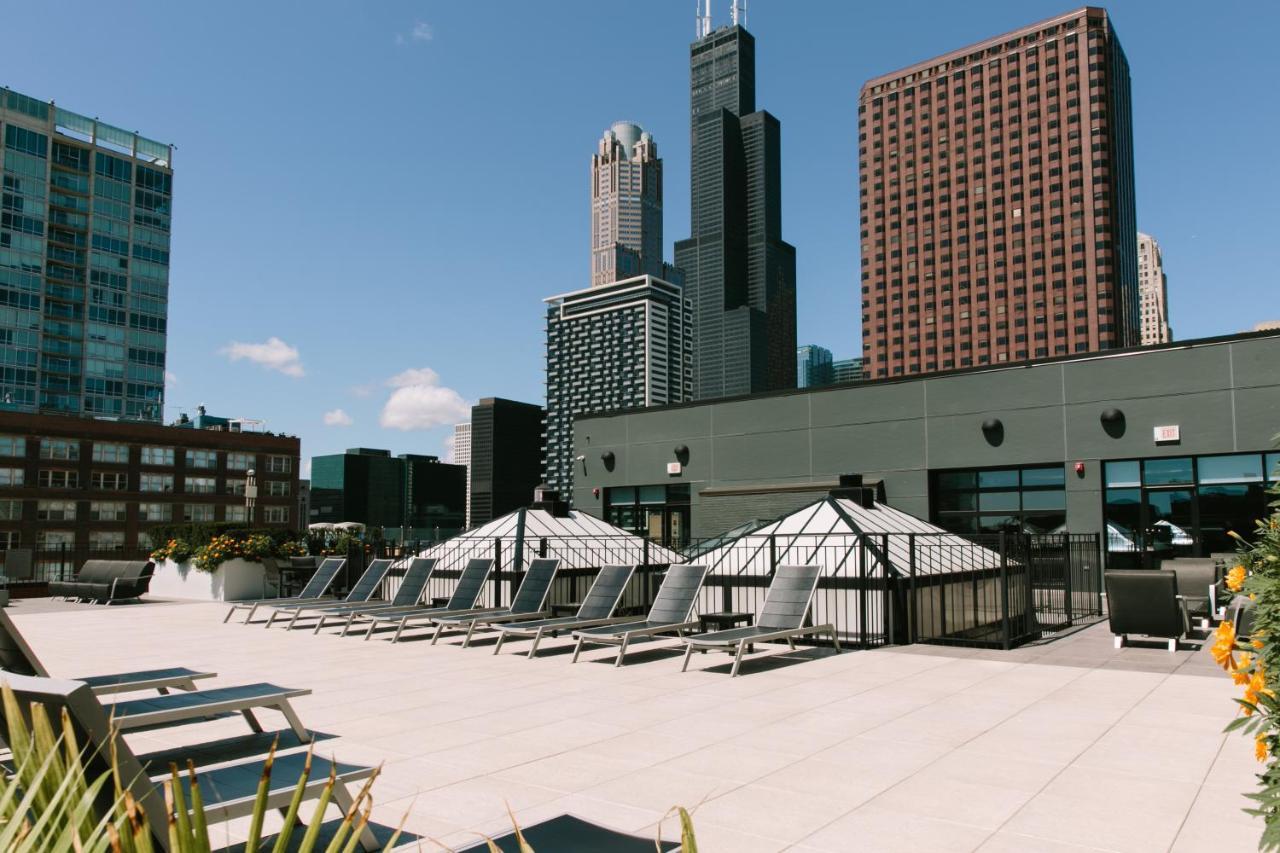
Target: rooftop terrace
1069 745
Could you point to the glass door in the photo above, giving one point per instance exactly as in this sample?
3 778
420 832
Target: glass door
1170 523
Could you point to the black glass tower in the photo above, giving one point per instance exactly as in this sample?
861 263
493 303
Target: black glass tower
739 273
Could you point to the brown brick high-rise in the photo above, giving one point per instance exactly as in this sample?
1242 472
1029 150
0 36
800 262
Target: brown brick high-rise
997 202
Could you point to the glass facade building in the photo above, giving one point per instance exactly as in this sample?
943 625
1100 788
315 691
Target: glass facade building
84 264
813 366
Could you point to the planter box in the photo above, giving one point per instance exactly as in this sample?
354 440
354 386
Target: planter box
234 580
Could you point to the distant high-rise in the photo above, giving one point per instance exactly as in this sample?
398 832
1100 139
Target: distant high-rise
997 202
506 457
84 264
626 206
462 456
813 366
1153 292
623 345
846 370
739 273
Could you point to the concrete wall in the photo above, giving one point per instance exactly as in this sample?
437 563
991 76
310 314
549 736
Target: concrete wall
1224 394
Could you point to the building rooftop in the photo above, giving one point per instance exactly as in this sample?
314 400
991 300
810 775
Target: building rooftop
89 130
1069 745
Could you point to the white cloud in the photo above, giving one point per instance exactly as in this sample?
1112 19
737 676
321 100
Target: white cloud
365 390
419 401
421 32
274 354
171 380
337 417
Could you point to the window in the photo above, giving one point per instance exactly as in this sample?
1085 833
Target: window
279 464
144 541
109 481
238 513
157 456
239 461
13 445
1026 500
278 488
202 459
56 511
235 487
155 483
55 539
155 512
56 448
106 540
660 513
276 514
10 539
116 453
197 512
10 510
59 479
11 476
106 511
201 485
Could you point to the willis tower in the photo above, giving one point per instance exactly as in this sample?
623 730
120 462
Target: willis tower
739 273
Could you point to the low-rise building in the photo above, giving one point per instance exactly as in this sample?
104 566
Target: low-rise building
410 496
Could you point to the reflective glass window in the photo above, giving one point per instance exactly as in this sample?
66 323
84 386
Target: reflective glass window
1240 468
1165 472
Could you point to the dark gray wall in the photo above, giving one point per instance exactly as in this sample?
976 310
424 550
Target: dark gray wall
1224 394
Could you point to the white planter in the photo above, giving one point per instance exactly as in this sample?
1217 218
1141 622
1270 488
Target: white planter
234 580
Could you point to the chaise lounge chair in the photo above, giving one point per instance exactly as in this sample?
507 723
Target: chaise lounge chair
670 613
407 594
126 580
178 708
464 598
781 618
227 791
597 609
530 603
1145 601
362 591
315 590
93 571
17 657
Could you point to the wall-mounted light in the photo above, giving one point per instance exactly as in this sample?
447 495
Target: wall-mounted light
1113 422
608 459
682 453
993 431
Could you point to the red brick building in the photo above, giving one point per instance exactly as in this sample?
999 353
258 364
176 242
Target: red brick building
997 202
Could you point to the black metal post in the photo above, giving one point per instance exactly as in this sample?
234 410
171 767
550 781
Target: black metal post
1004 589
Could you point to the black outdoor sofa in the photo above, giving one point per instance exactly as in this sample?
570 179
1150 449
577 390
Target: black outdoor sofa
106 581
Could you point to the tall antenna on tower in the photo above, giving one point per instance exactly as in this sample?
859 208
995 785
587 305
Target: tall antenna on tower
739 13
703 18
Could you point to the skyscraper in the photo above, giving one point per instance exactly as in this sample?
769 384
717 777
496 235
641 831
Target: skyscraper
846 370
739 273
813 366
84 264
506 457
626 206
623 345
462 456
1153 292
997 202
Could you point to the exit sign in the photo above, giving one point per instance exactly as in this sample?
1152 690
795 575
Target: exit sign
1167 434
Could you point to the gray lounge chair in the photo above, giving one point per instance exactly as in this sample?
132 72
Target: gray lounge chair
597 609
368 584
177 708
228 791
670 614
128 579
407 594
781 618
1145 601
17 657
93 571
530 603
1196 579
316 590
464 598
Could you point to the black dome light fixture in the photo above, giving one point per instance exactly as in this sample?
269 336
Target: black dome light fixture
682 453
1113 422
608 459
993 431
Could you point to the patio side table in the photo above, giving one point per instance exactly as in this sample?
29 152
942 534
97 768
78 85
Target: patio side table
724 619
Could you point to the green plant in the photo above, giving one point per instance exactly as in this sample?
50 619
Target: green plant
1253 662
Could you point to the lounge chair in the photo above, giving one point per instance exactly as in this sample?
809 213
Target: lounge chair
368 584
567 832
670 613
127 580
464 598
227 791
408 593
1145 601
93 571
1196 579
314 591
17 657
177 708
530 603
781 618
597 609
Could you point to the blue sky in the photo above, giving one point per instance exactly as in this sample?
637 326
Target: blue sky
372 198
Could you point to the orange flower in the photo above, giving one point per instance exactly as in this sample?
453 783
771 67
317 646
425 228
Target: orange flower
1223 644
1260 750
1240 676
1256 688
1235 578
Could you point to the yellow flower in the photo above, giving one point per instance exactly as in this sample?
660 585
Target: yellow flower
1240 676
1235 578
1260 750
1224 643
1256 688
